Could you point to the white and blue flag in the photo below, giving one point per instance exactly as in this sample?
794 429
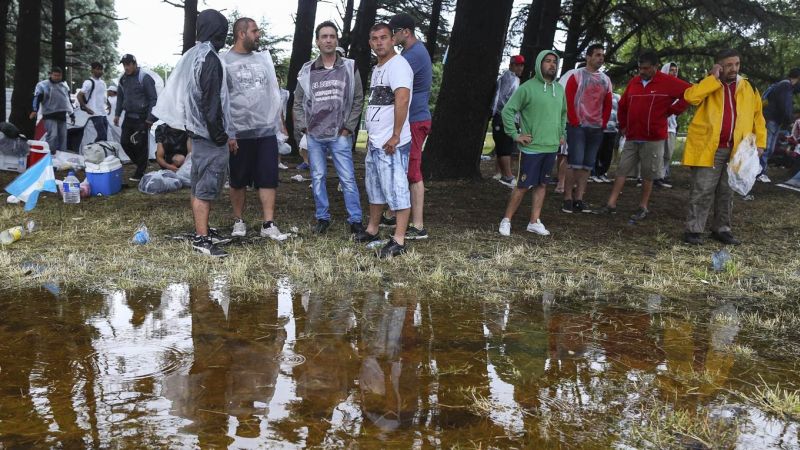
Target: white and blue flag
39 177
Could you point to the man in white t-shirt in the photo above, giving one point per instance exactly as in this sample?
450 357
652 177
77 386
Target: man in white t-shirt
389 141
92 98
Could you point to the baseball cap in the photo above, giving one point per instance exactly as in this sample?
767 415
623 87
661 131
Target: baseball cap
127 58
402 20
517 59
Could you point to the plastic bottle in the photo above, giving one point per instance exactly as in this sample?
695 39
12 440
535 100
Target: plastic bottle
719 260
142 236
72 188
14 234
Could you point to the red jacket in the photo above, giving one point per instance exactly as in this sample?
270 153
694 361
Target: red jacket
643 110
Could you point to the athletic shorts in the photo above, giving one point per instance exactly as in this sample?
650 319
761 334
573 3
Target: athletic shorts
649 155
255 163
419 132
209 169
534 168
584 143
503 144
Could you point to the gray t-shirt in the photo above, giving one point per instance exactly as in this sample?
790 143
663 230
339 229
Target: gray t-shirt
328 88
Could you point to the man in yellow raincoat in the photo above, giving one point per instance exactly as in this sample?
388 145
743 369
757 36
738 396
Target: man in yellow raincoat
728 109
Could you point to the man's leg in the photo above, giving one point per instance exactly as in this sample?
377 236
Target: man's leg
393 172
319 169
266 174
200 210
505 166
402 225
576 142
372 183
593 139
651 156
237 197
701 197
419 131
375 212
514 201
669 149
241 165
101 127
772 137
581 177
562 173
267 197
723 195
142 143
51 128
538 200
628 163
343 162
62 135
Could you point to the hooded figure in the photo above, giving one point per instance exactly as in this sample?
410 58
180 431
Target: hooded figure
672 120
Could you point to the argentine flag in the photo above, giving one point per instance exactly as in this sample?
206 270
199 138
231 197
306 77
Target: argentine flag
39 177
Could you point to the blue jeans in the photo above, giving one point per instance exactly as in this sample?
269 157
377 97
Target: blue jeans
341 150
56 134
100 124
772 138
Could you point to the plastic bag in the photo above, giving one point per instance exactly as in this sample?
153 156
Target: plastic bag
745 166
160 182
141 236
98 151
13 146
184 172
68 160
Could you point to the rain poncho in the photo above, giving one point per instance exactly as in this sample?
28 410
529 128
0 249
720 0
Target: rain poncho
255 97
506 85
328 97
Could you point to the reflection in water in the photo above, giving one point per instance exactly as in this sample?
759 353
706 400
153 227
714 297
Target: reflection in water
195 367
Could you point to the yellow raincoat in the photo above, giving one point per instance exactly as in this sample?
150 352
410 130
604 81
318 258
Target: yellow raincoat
704 130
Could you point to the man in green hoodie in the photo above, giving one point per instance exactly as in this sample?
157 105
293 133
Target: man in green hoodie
542 107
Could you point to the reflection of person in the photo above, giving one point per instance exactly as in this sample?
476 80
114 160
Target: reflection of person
92 98
173 147
52 96
136 96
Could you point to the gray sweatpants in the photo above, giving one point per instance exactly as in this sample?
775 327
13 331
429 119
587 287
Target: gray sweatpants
710 189
56 134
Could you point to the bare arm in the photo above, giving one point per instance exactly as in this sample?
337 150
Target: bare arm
402 98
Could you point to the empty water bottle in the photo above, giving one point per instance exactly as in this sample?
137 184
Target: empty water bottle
720 259
72 188
14 234
142 236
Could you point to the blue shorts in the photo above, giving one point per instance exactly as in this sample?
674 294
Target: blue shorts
583 144
534 168
387 177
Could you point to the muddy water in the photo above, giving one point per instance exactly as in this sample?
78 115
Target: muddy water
193 367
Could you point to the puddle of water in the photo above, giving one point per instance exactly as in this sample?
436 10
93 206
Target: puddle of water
195 367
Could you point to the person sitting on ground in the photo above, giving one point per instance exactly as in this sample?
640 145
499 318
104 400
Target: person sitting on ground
52 95
172 147
503 144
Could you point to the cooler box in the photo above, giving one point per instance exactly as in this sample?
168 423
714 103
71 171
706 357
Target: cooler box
105 178
38 151
12 163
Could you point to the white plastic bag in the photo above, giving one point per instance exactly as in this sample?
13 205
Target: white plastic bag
745 166
184 172
159 182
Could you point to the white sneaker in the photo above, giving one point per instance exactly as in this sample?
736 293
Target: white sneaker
239 228
282 166
538 228
505 227
273 233
593 179
605 179
497 176
764 178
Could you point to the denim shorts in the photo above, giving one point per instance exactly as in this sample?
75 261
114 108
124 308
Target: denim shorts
387 177
583 144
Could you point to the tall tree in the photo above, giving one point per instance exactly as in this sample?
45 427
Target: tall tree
301 51
539 32
189 24
4 7
347 24
574 29
59 34
359 45
26 64
459 121
433 28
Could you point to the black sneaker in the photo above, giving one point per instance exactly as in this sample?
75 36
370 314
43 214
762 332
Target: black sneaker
391 249
322 226
388 221
567 206
662 184
415 233
605 210
204 245
725 237
363 237
217 238
693 238
356 227
580 205
640 214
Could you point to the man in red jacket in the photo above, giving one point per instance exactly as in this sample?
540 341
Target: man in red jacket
648 100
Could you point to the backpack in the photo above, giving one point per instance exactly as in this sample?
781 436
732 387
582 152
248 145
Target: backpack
91 91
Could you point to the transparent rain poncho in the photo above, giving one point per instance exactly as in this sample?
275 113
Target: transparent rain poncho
179 103
328 98
255 97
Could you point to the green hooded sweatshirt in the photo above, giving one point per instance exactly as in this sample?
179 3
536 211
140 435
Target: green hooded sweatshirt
542 108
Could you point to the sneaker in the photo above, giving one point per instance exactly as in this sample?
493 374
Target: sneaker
497 176
594 179
135 179
388 221
763 178
303 166
510 182
391 249
640 214
580 205
363 237
662 184
239 228
725 237
505 227
322 226
282 166
217 238
567 206
693 238
356 227
204 245
271 231
605 211
605 179
415 233
538 228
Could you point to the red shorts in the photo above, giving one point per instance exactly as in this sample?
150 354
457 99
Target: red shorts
419 132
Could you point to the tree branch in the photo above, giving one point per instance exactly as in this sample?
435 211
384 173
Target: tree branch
94 13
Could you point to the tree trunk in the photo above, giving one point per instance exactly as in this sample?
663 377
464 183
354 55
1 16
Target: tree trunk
462 109
301 52
574 30
359 47
59 35
4 7
189 24
26 71
540 31
433 28
347 25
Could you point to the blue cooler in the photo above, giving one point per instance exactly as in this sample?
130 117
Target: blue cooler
105 178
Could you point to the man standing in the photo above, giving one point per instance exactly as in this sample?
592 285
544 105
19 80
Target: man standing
728 109
389 142
644 107
327 106
419 114
503 143
52 95
778 114
136 95
255 101
92 98
542 107
588 94
670 69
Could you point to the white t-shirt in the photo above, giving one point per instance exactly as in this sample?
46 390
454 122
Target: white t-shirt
386 79
97 102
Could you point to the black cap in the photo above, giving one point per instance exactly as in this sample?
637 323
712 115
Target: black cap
402 20
127 59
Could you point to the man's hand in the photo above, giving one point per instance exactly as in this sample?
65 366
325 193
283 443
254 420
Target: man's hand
345 132
32 115
562 141
760 152
233 146
391 145
524 139
88 110
716 70
116 121
72 119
